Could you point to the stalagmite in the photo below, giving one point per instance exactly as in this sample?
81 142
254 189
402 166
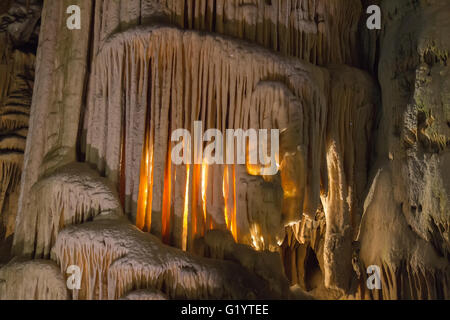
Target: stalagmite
151 65
142 295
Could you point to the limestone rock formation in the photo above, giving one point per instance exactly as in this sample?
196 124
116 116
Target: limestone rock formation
143 295
19 30
364 135
116 257
409 194
72 194
32 280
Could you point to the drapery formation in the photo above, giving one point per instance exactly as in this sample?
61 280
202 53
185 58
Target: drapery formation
188 77
116 258
149 82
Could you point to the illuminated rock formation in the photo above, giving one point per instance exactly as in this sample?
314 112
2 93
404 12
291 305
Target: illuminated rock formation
19 29
361 180
225 97
143 295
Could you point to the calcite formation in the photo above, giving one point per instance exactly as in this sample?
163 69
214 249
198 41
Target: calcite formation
218 90
410 191
73 194
19 29
116 257
364 135
32 280
144 295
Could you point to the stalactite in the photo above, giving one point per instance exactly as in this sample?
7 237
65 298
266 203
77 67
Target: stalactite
321 32
407 203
